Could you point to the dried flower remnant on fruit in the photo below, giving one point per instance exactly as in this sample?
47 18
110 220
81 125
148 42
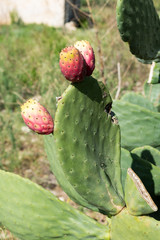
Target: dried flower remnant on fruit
36 117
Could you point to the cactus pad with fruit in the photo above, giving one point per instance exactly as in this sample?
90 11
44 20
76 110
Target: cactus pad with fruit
89 161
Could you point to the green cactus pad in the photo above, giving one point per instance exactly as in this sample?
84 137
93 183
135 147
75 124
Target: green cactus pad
59 174
32 213
139 100
126 162
152 92
148 153
158 148
139 25
146 171
138 200
88 145
127 227
139 126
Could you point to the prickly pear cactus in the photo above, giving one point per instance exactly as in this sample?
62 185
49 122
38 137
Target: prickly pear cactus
150 176
152 93
131 119
137 198
88 156
85 150
50 148
149 154
125 226
140 186
139 25
140 100
32 213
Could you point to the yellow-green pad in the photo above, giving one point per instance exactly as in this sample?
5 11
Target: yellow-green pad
33 213
138 200
88 145
154 77
127 227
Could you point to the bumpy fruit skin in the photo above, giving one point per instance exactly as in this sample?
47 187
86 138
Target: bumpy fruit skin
36 117
72 64
87 51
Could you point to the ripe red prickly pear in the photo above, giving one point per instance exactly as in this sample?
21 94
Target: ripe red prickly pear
72 64
36 117
87 51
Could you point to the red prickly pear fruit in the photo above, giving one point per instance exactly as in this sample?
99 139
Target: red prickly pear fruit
36 117
87 51
72 64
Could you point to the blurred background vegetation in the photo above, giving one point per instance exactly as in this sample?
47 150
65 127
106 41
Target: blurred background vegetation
29 67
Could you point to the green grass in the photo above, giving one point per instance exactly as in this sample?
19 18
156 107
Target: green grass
28 67
28 62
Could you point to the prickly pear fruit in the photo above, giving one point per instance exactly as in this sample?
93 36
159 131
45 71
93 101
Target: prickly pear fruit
36 117
87 51
72 64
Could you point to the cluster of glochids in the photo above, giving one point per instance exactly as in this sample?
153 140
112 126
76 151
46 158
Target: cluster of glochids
76 62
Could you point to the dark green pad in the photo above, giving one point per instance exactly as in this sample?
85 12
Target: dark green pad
59 174
88 145
148 153
139 100
32 213
139 25
139 126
